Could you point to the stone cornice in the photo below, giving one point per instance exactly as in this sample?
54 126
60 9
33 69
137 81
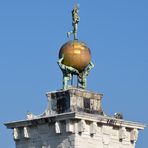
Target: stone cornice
104 120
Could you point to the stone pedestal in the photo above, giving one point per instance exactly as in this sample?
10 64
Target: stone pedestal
74 119
74 100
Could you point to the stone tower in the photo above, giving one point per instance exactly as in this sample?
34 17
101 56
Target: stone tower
74 117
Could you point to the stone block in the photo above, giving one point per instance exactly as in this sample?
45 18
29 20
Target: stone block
134 135
74 100
122 133
93 128
57 127
70 126
16 134
26 131
81 126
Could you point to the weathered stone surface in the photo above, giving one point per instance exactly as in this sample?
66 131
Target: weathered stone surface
16 134
74 119
74 99
26 132
75 130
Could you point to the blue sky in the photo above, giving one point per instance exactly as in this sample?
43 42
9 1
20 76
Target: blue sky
31 34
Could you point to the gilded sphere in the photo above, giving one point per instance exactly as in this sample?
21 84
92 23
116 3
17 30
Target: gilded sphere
76 54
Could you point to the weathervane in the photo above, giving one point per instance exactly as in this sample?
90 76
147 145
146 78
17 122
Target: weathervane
75 21
75 57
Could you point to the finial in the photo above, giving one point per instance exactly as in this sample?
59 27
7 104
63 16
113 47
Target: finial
75 21
75 57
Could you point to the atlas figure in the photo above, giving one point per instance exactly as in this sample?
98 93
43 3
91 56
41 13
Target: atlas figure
69 71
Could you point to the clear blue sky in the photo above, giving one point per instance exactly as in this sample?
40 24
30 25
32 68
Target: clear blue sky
31 33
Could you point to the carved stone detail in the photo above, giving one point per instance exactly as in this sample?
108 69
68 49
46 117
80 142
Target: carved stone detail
16 133
57 127
26 132
134 135
105 139
81 126
69 126
93 128
122 133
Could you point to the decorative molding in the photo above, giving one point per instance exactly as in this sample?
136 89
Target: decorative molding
134 135
26 132
93 128
81 126
58 127
16 133
69 126
122 133
105 140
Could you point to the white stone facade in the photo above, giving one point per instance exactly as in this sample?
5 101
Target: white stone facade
75 130
75 126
